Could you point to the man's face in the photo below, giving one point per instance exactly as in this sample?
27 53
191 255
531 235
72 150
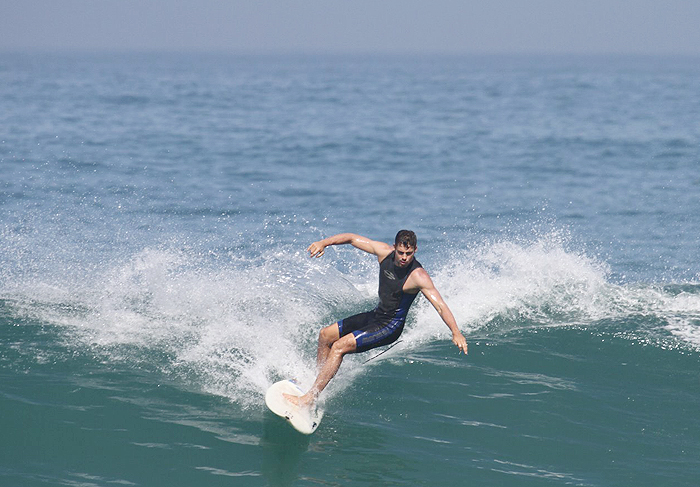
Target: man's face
404 255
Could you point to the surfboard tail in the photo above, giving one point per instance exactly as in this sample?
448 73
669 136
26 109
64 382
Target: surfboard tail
304 420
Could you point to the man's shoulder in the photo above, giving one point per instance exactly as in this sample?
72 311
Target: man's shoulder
382 249
420 278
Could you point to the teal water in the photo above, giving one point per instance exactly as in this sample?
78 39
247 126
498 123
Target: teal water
154 216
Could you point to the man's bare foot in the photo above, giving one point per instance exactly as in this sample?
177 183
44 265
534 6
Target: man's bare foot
305 401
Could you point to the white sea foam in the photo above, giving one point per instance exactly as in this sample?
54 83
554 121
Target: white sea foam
494 287
682 312
540 281
232 326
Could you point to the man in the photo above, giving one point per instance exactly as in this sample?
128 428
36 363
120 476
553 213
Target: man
401 277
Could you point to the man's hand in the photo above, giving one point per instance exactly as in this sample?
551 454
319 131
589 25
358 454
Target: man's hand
461 342
316 249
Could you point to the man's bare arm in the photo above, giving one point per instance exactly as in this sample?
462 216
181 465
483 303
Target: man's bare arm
426 286
380 249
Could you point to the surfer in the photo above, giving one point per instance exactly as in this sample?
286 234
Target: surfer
401 277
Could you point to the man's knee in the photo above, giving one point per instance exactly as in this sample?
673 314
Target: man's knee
329 334
347 344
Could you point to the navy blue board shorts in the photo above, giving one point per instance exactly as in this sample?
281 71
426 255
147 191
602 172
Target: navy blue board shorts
369 331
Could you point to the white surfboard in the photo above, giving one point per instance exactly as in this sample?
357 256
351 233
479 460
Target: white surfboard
302 419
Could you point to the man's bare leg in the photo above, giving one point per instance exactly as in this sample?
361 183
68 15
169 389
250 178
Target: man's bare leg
326 338
334 358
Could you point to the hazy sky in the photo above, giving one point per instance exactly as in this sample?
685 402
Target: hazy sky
364 26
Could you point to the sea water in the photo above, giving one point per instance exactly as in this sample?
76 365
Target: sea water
155 211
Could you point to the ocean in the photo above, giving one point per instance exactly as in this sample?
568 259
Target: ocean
156 208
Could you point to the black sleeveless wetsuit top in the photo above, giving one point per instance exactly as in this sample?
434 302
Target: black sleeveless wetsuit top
393 302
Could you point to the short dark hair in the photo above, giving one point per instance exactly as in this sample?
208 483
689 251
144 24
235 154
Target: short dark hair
406 238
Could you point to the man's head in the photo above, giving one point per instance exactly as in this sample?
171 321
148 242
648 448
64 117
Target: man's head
405 245
406 238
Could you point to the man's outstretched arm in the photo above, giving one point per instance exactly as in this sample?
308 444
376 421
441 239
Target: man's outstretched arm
428 289
380 249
